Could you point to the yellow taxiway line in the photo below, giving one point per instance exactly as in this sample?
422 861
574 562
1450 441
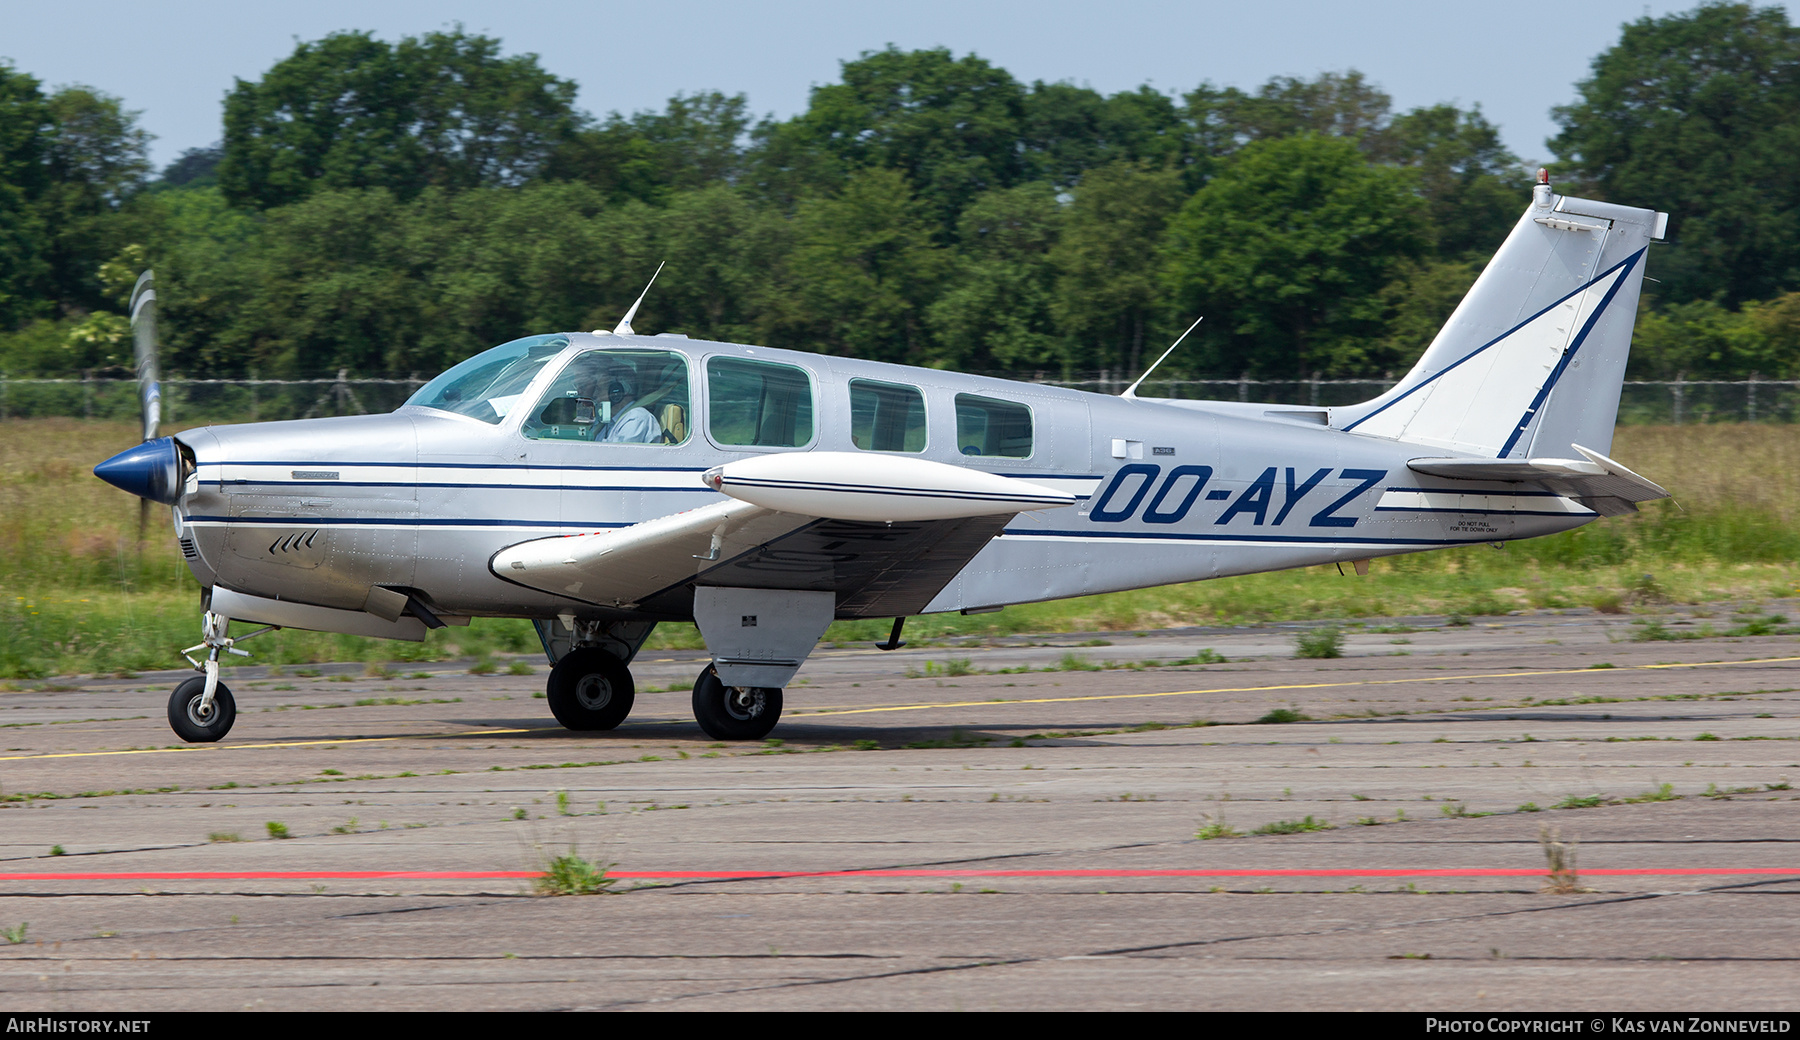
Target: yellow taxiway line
1258 689
815 712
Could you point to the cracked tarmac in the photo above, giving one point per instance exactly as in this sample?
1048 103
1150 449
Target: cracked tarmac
1068 800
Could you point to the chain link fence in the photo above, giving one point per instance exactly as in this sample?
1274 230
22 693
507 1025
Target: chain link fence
191 401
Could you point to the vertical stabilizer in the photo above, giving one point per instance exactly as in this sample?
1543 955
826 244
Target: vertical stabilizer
1532 361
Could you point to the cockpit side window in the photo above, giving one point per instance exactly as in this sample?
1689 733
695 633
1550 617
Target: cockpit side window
886 416
758 403
987 427
488 385
615 397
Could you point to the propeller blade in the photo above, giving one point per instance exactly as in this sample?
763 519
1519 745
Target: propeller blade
143 330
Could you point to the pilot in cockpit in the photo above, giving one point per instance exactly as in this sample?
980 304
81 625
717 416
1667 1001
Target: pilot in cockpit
631 423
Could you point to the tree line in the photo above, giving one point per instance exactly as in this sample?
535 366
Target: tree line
391 208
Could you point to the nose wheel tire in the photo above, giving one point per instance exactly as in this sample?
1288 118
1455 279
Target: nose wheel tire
590 689
196 726
735 712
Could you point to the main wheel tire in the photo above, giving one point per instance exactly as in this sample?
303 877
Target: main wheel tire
189 723
734 712
590 689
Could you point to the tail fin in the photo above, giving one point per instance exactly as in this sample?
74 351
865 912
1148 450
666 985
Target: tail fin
1532 361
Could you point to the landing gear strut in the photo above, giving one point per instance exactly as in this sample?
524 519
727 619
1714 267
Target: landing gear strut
201 709
734 712
590 689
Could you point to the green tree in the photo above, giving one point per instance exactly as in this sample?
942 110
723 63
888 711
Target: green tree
1419 299
864 267
1286 253
1068 130
950 125
726 257
1472 186
24 265
695 141
1222 120
95 155
1109 287
350 111
1698 113
997 308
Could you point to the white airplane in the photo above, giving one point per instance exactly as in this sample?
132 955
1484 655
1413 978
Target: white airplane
599 483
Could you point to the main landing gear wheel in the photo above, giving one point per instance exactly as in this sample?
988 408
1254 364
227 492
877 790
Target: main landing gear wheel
196 726
590 689
734 712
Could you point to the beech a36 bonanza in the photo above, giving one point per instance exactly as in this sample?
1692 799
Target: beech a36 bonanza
599 483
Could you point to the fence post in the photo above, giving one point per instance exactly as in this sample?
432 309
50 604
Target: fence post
1752 402
1244 386
87 393
3 379
1675 390
1315 388
253 395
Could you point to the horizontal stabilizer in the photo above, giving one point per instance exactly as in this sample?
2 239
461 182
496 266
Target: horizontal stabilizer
1594 480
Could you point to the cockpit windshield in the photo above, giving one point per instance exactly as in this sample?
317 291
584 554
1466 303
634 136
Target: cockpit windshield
488 385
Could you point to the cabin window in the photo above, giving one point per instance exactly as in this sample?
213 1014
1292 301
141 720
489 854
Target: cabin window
615 397
988 427
488 385
886 416
758 403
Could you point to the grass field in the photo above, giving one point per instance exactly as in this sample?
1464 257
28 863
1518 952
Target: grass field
82 595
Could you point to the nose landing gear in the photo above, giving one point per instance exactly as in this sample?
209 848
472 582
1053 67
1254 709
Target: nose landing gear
201 710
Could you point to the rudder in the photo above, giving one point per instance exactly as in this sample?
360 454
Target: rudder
1532 360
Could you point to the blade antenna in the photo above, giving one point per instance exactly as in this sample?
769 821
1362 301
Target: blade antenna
1131 391
624 326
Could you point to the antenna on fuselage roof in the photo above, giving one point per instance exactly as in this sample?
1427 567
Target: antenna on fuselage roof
1131 391
624 326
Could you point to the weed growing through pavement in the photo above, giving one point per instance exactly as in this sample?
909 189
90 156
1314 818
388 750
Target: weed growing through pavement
1284 715
277 829
1580 801
1294 826
15 936
572 874
1563 880
224 836
1216 827
1319 643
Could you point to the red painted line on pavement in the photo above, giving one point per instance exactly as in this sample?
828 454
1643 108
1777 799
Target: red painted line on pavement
728 875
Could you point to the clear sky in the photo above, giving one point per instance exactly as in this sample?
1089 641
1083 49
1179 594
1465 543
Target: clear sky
175 59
